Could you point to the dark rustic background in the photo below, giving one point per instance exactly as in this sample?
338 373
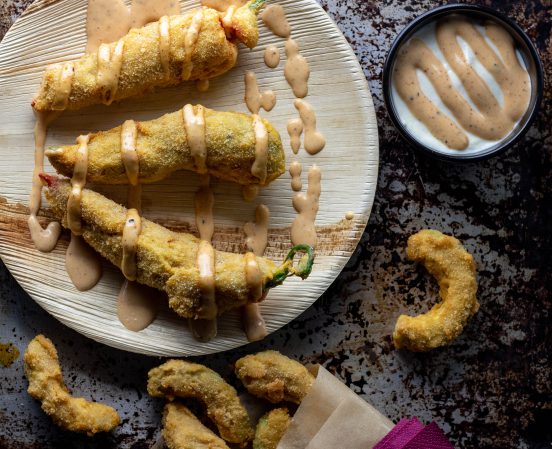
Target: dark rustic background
492 388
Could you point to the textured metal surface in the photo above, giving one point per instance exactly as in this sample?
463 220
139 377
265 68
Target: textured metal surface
492 388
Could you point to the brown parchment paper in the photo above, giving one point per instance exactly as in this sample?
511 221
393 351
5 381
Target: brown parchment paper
332 416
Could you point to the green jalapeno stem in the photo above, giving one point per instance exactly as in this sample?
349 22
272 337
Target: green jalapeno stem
302 269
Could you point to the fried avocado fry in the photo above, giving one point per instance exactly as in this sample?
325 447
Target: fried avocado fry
454 268
144 64
273 376
182 430
178 378
46 385
163 147
270 428
167 260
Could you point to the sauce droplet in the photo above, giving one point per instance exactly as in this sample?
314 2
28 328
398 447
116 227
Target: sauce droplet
296 70
295 129
272 56
274 17
137 305
313 141
303 230
82 263
295 170
254 99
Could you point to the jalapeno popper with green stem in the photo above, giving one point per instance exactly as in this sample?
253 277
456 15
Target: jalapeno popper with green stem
167 260
164 145
198 45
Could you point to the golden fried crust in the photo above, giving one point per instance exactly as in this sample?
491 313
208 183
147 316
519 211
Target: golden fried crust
182 430
274 377
166 260
178 378
270 428
46 385
455 271
163 148
141 68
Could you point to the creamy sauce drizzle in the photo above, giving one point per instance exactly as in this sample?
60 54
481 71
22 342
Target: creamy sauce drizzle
194 123
74 222
302 228
82 263
106 21
204 326
202 85
137 305
190 39
250 192
44 239
274 17
254 98
259 167
165 45
222 5
129 155
313 140
131 233
295 129
253 277
109 20
489 120
272 56
295 170
63 88
146 11
296 70
227 21
257 232
256 241
109 69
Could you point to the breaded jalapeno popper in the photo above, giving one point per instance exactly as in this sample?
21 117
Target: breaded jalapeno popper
270 428
455 271
182 430
274 377
46 384
222 144
195 46
168 260
179 378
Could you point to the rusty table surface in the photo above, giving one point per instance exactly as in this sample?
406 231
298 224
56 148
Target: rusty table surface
492 388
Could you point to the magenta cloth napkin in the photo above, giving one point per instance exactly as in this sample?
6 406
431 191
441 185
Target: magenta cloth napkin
412 434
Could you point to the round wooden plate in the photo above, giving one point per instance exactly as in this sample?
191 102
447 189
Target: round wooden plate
54 31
